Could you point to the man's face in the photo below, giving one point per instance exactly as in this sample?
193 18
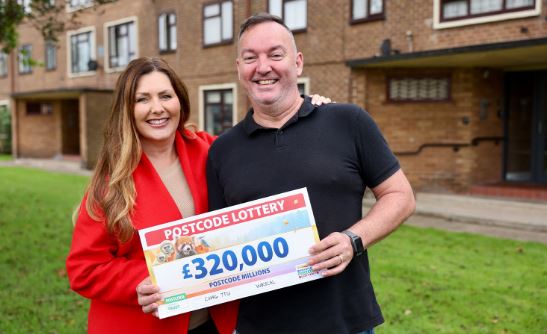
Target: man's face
268 65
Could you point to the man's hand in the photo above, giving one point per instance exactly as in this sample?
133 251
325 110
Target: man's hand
148 296
331 255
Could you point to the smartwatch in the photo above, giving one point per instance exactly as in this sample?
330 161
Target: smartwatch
356 243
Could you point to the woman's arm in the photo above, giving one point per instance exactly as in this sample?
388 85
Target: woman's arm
95 270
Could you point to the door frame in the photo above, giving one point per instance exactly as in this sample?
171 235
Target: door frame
538 128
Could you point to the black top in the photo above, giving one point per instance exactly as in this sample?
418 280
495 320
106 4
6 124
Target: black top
336 151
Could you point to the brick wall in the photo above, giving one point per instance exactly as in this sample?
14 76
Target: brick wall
409 126
329 41
39 135
363 40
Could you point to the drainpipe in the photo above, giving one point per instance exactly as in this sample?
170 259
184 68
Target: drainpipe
410 41
13 106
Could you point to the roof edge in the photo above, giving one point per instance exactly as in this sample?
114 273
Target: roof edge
443 52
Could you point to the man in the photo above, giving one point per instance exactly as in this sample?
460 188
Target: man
336 151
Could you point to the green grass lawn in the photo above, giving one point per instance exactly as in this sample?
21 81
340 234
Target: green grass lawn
35 234
426 281
5 157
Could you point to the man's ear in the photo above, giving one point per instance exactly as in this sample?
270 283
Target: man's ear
237 67
299 63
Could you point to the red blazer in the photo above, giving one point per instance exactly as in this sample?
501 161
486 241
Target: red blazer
106 271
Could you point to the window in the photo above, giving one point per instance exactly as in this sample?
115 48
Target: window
26 5
366 10
77 4
167 30
122 44
82 51
465 9
3 64
293 13
217 23
303 86
25 54
218 110
217 107
418 89
51 56
36 108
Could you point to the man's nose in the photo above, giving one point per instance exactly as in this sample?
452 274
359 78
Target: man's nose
263 66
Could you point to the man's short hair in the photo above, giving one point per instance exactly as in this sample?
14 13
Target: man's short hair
260 18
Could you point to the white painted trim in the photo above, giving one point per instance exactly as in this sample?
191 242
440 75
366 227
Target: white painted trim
479 20
306 82
70 9
201 111
106 25
69 34
4 103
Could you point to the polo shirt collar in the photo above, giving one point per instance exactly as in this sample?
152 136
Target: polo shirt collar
251 126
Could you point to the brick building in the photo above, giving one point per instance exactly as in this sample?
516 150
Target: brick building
457 86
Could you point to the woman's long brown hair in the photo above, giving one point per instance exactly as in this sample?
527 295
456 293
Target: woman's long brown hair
111 192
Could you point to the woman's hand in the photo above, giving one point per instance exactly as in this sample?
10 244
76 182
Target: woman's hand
318 100
148 295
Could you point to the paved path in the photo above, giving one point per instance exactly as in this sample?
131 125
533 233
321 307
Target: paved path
471 227
61 166
504 218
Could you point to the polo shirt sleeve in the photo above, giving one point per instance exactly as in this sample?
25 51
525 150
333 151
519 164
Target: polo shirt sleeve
377 162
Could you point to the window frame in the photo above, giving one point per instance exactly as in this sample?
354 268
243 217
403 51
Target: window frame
92 54
70 8
106 29
305 81
294 31
439 23
4 64
368 18
203 19
219 87
26 5
47 46
446 76
167 31
25 71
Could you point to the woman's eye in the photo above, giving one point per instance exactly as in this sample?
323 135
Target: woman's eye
166 97
141 99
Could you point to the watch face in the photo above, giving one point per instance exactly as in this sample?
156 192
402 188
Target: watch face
358 244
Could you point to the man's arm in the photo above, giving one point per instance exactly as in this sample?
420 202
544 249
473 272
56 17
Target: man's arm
394 203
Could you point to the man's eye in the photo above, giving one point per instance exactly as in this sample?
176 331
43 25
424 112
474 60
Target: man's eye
249 59
277 56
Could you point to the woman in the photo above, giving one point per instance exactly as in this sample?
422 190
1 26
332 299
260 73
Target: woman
151 170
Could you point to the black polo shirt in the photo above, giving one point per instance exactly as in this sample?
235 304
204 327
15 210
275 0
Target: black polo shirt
336 151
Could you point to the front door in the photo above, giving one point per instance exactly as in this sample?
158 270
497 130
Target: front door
526 127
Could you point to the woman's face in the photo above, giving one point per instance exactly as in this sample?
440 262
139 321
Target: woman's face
157 110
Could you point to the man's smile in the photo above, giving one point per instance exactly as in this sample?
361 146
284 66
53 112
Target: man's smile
266 81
